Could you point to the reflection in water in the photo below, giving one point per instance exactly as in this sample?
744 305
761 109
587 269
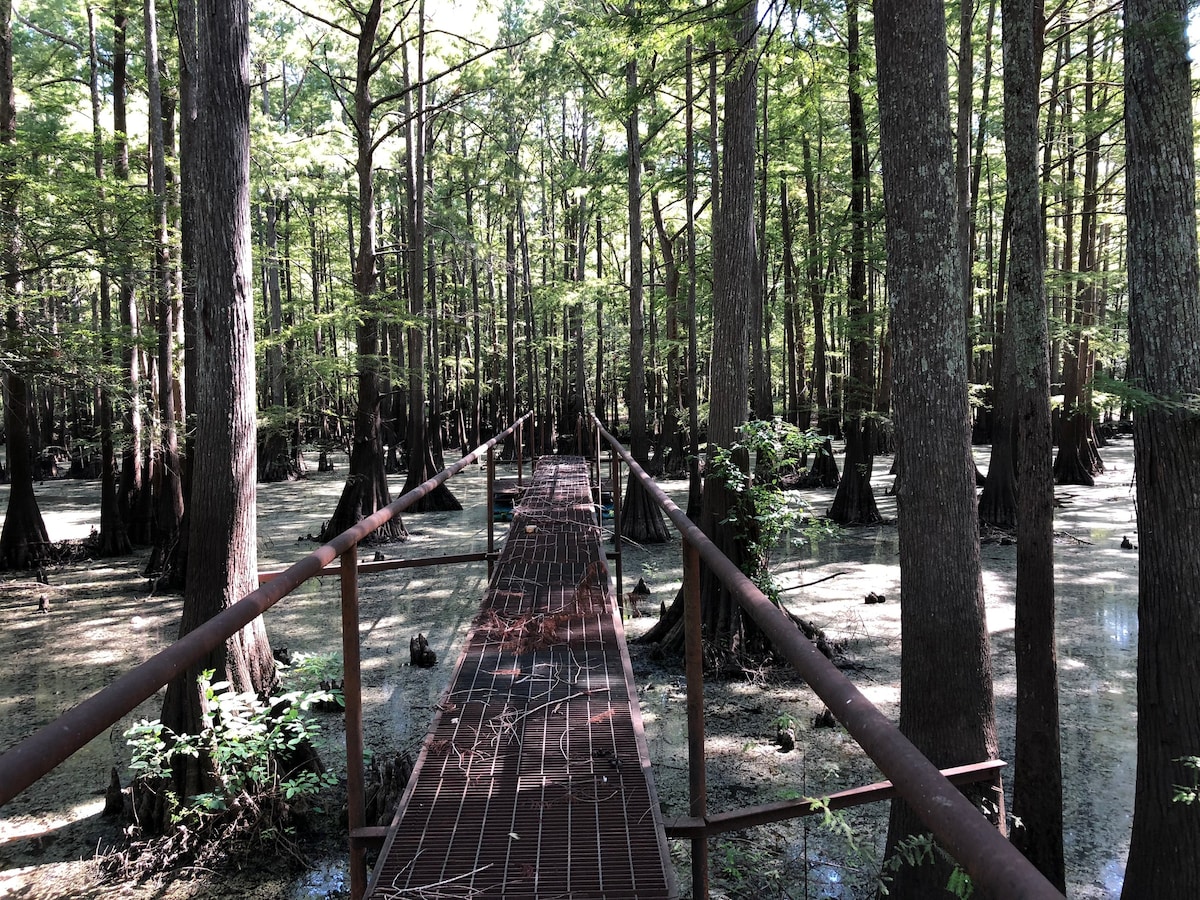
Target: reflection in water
1098 656
1120 623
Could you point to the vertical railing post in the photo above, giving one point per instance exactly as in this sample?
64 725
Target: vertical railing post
694 659
352 691
491 510
520 454
599 472
615 471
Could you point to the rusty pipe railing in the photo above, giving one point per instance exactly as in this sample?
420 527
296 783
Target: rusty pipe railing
993 863
42 751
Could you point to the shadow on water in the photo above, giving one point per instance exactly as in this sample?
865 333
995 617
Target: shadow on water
1096 587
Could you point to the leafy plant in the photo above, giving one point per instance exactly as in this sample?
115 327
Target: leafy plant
316 673
764 513
246 743
922 849
742 864
1189 793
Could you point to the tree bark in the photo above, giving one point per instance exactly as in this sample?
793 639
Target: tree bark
114 539
133 491
1078 460
728 634
366 489
23 541
1037 778
423 437
946 704
1164 320
854 502
641 519
222 536
168 566
794 343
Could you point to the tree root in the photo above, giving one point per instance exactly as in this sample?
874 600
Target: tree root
250 828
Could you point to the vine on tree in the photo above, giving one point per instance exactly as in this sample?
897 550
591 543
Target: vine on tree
765 515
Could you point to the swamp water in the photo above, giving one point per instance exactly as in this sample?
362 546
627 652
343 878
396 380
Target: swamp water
103 619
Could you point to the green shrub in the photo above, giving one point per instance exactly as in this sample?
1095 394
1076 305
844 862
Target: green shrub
250 746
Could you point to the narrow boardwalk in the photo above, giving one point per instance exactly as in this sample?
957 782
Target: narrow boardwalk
535 780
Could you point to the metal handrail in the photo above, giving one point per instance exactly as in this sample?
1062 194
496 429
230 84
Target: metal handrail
45 749
993 863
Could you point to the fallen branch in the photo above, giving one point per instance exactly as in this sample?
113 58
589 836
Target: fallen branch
797 587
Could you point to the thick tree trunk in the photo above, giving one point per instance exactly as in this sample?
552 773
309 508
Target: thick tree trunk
1164 320
223 507
728 633
366 489
946 693
854 503
641 519
114 540
23 541
1037 779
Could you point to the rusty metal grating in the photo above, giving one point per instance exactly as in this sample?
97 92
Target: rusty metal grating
535 780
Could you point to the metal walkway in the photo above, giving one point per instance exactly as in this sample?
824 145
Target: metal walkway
535 780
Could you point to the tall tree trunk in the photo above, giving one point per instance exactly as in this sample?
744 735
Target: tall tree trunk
962 169
946 706
641 519
476 327
794 349
675 462
854 502
728 633
134 493
1164 320
422 435
114 539
998 500
169 566
1078 462
760 325
826 418
277 460
23 541
1037 779
224 494
366 489
691 392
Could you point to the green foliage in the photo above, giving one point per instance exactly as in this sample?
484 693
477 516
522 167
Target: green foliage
764 513
244 742
919 850
744 865
1189 793
315 675
1135 398
785 721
